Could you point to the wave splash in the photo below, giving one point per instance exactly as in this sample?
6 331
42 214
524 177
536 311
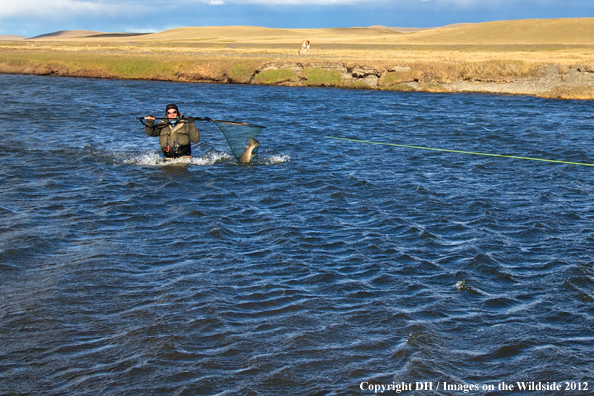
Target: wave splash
211 157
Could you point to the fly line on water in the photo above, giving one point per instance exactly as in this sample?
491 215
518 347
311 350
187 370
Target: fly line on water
457 151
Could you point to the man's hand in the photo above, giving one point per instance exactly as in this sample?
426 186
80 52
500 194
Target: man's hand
191 120
149 117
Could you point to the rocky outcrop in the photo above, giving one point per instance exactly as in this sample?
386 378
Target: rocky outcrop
331 74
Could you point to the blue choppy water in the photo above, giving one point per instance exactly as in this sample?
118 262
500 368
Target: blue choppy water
322 268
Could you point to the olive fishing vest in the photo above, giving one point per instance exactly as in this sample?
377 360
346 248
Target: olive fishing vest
175 141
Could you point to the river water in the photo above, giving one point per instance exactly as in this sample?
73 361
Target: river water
325 267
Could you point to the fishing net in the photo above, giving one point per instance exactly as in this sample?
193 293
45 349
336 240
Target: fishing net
238 134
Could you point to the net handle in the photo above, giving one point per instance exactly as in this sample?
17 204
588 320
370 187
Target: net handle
240 123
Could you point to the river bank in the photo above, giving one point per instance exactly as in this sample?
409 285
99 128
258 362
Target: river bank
493 76
559 66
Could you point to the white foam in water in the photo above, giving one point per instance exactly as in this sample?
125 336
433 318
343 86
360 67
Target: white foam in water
276 159
147 159
211 157
156 159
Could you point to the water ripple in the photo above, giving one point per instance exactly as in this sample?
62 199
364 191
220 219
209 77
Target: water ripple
320 265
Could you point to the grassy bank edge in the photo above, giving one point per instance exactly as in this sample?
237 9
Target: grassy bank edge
425 76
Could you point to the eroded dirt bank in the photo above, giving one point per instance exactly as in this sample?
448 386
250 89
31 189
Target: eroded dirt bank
501 76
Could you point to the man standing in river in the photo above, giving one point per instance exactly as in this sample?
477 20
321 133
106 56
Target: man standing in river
175 133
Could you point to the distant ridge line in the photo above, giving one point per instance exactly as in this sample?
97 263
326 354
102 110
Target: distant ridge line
119 34
413 30
89 33
562 31
12 37
67 34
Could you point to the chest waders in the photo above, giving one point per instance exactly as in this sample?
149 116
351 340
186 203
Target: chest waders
174 149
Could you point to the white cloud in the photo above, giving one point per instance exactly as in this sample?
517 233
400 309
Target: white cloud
117 9
60 8
140 30
337 2
306 2
457 3
469 3
113 8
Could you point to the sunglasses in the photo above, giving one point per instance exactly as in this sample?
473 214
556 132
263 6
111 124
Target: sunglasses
172 112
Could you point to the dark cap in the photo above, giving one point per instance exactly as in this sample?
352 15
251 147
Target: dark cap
171 106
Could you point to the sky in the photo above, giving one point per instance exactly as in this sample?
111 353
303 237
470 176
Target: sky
35 17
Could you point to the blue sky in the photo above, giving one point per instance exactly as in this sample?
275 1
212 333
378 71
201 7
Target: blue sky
34 17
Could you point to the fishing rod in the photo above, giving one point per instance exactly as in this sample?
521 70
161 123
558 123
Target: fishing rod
238 123
141 119
178 119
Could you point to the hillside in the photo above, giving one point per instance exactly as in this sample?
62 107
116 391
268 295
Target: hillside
11 37
572 31
66 34
518 32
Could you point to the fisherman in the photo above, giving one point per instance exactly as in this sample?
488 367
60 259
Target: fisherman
175 133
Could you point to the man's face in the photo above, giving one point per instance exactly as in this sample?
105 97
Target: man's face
171 113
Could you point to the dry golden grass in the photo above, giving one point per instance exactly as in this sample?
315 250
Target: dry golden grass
485 52
570 31
557 40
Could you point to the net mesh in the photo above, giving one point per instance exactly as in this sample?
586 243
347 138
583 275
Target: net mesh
238 134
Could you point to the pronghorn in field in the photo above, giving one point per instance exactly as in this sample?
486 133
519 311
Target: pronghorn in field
304 47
